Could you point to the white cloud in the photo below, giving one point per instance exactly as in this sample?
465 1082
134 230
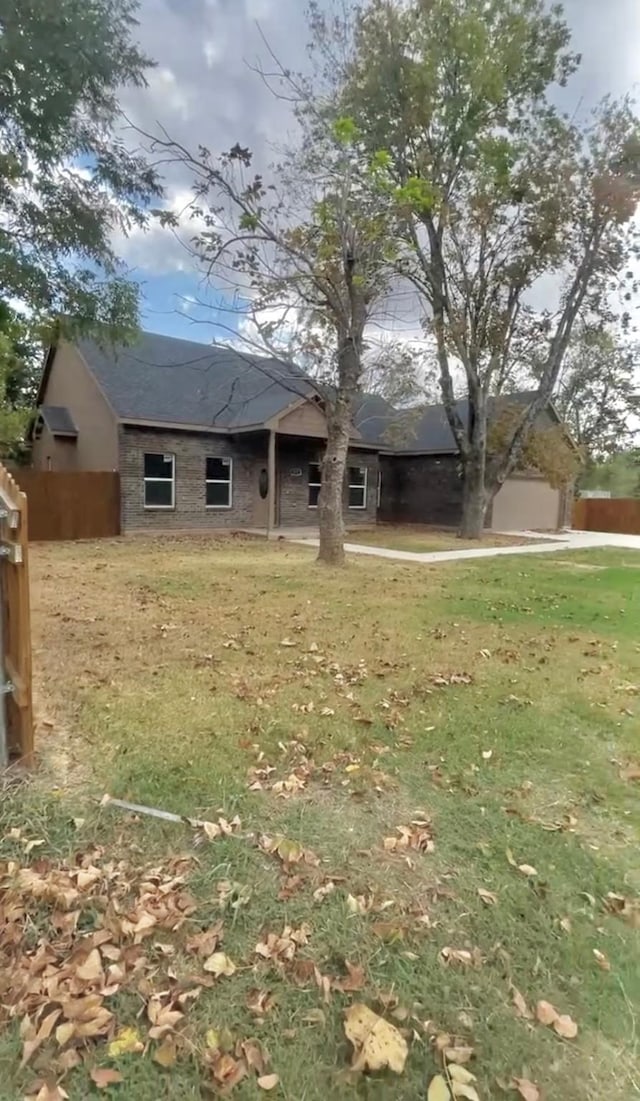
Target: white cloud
170 96
159 250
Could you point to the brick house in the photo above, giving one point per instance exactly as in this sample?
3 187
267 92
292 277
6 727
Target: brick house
205 436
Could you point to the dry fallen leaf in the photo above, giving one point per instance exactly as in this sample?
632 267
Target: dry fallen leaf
219 964
522 1009
91 969
487 897
127 1041
527 869
546 1014
601 960
376 1043
438 1089
459 1054
461 1089
527 1090
461 1074
566 1027
268 1081
461 955
105 1077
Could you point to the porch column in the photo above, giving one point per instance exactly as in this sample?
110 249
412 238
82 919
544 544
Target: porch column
271 471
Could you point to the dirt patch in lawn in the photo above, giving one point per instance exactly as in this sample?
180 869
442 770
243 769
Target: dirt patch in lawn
422 539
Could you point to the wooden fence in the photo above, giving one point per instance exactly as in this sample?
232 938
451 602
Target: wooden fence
71 504
618 514
16 708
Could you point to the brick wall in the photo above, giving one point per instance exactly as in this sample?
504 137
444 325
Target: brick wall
421 489
293 463
190 450
249 457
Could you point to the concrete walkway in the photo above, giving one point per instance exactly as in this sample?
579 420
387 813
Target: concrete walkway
544 544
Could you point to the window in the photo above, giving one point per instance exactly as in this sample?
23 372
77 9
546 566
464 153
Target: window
315 482
357 487
219 474
159 480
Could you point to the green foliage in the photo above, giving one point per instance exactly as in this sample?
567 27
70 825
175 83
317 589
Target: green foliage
345 131
20 360
67 183
249 221
545 449
597 391
618 474
417 194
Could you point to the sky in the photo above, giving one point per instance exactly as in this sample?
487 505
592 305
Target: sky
203 90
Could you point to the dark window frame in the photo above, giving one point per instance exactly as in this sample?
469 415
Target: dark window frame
361 487
167 456
311 486
227 462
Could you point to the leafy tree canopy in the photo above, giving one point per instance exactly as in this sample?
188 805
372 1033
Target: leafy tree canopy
67 181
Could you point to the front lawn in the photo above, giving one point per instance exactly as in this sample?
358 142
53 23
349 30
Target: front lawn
434 773
421 539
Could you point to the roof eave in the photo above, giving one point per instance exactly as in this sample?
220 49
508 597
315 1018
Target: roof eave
179 426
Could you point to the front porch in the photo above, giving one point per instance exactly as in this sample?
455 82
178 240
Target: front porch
286 487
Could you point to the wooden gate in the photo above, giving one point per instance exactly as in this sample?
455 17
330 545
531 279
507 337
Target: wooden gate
16 707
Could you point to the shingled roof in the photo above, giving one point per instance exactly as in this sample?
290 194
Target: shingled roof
162 379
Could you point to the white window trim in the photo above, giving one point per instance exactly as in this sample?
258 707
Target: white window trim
363 486
172 480
219 482
379 489
314 485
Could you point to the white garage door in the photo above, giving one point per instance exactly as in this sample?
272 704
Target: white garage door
526 504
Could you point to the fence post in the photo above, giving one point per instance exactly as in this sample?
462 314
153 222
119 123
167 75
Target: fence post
16 705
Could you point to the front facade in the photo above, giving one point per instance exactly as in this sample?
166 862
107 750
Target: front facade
208 438
176 475
191 481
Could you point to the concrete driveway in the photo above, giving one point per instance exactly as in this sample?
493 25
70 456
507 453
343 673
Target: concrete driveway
544 544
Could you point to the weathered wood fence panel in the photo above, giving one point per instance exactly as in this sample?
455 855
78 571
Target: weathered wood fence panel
16 716
618 514
71 504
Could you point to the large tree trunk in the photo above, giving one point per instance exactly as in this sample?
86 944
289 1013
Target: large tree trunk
474 489
330 502
474 497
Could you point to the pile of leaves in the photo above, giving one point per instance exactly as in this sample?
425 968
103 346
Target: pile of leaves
74 934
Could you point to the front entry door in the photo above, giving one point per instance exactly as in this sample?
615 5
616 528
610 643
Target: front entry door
261 497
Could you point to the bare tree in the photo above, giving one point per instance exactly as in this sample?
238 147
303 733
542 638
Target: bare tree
311 243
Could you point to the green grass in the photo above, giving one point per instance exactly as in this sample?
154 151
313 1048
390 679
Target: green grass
165 678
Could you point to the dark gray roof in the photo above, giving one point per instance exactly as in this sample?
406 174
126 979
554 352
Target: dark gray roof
165 380
58 420
160 378
429 429
373 417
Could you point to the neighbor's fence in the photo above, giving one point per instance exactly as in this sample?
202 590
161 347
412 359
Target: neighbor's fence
618 514
16 708
71 504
